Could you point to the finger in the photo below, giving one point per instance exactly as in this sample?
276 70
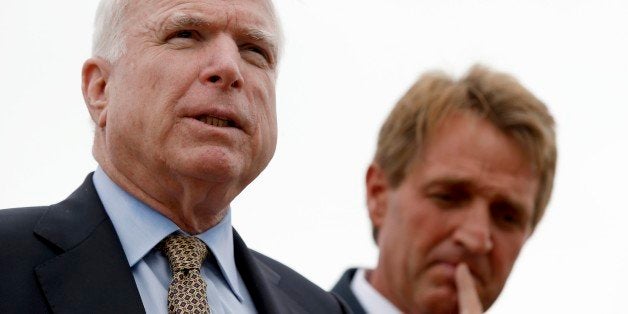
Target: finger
468 299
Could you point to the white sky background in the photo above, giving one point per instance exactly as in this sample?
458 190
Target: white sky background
346 63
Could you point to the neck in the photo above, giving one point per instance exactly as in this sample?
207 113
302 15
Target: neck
193 205
379 281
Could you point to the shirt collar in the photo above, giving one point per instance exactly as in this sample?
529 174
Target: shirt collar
371 300
219 239
140 228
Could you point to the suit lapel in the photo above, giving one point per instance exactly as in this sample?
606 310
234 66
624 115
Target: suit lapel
91 273
261 283
343 289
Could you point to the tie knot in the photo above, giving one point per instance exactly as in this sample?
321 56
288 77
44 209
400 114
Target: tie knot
184 252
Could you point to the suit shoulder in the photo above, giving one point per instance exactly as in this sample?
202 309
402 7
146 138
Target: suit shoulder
19 221
17 236
22 250
306 293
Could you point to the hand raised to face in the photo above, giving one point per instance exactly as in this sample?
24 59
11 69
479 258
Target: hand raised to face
468 299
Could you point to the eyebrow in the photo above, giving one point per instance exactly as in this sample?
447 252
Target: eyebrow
261 35
182 20
448 181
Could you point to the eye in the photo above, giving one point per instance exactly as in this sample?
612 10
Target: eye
444 197
183 34
255 49
451 198
256 54
507 215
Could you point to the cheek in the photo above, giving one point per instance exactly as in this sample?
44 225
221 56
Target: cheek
504 255
263 110
423 225
407 240
272 124
264 95
269 135
409 232
164 73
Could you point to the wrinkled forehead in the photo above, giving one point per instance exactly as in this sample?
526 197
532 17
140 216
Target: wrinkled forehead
260 12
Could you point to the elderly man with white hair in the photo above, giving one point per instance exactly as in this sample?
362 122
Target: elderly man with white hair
182 94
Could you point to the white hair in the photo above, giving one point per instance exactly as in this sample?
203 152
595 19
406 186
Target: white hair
279 34
109 39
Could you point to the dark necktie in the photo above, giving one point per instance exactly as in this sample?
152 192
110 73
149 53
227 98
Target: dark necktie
187 292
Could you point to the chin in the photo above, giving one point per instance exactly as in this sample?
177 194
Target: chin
438 308
211 168
441 300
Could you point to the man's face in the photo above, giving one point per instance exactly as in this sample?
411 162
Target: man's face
469 198
194 94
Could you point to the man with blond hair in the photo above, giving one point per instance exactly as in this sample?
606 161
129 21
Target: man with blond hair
461 177
182 94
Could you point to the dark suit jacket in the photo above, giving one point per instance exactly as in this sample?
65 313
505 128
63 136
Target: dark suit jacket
67 258
343 290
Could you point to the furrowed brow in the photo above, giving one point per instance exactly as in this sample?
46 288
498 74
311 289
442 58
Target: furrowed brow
450 182
183 20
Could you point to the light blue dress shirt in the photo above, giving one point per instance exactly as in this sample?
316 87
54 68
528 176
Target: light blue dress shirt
141 228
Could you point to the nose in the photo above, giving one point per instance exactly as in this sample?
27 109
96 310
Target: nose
221 67
474 230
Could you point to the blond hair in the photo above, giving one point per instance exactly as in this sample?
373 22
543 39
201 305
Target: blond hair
495 96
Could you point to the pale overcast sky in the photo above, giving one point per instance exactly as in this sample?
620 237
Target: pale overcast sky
345 65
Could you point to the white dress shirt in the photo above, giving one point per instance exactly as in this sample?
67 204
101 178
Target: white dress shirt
370 299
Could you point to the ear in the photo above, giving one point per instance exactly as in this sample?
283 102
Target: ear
377 189
95 76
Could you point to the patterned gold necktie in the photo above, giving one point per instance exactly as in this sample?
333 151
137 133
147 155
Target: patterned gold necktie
187 292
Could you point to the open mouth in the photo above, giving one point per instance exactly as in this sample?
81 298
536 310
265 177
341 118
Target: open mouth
214 121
